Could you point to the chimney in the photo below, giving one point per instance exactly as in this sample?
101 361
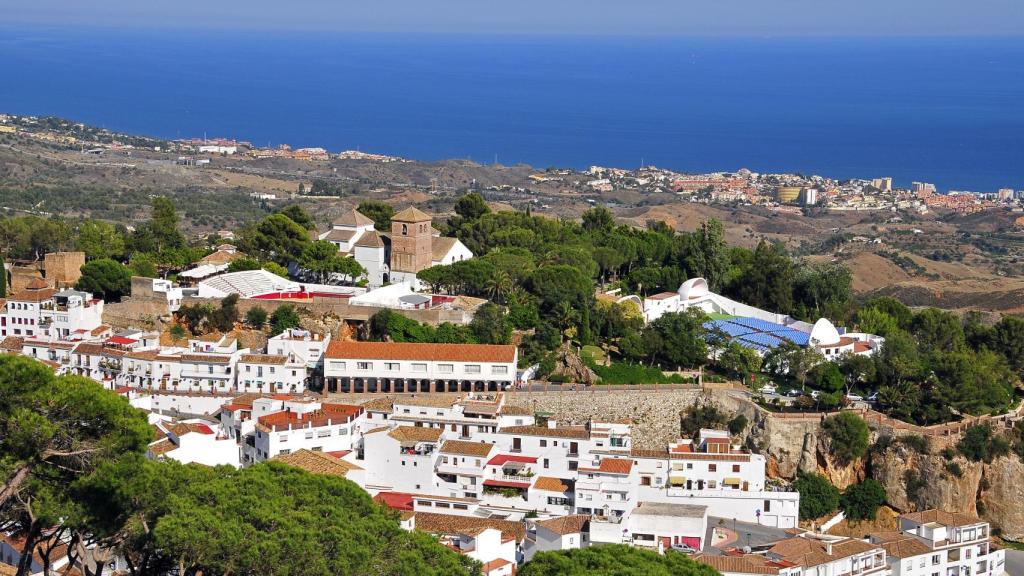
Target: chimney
552 423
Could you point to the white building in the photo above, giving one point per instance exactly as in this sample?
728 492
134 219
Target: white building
270 373
715 473
41 312
944 543
305 424
822 555
194 441
414 367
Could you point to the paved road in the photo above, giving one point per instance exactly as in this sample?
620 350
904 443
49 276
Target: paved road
1014 562
747 534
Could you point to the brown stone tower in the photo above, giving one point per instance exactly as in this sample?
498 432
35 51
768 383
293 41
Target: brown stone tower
410 243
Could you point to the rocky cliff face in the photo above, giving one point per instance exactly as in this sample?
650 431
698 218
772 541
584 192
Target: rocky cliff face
1002 494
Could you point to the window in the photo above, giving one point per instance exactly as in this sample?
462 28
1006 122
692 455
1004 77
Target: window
767 505
323 433
419 367
392 366
573 465
285 452
689 465
735 467
546 463
446 368
472 369
543 443
309 435
282 438
712 467
364 365
335 365
405 229
499 369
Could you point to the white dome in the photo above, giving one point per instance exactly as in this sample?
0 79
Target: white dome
693 288
824 333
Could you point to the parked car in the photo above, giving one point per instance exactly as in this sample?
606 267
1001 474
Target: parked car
795 393
854 398
768 389
684 548
815 394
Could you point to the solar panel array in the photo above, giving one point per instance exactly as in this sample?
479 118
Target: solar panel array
757 334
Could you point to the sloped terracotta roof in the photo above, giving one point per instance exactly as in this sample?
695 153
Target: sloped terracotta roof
162 447
571 524
745 564
370 239
411 214
353 218
415 434
334 235
942 517
317 463
808 552
206 358
333 413
440 246
379 405
463 448
31 295
12 343
509 410
452 524
612 466
899 545
550 484
421 351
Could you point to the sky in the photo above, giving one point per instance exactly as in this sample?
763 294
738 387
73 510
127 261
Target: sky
541 17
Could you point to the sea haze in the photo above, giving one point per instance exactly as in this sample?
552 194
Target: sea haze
950 110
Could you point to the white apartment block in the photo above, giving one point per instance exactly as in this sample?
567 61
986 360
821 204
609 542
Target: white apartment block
716 473
304 345
303 424
40 312
270 374
414 367
938 543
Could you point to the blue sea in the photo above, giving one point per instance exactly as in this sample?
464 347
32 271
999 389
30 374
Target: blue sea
949 111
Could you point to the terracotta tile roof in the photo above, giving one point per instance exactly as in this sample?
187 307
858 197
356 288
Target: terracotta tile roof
158 433
494 565
32 295
571 524
263 359
334 235
411 214
744 564
663 453
370 239
97 350
220 257
550 484
353 219
428 400
941 517
420 351
317 463
466 448
162 447
415 434
508 410
809 552
612 466
440 246
451 524
182 428
557 432
206 358
333 413
56 345
379 405
899 545
12 343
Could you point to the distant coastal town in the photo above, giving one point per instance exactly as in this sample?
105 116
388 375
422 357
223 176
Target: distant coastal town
784 192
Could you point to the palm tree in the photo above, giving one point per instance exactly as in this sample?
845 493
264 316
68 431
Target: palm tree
499 285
